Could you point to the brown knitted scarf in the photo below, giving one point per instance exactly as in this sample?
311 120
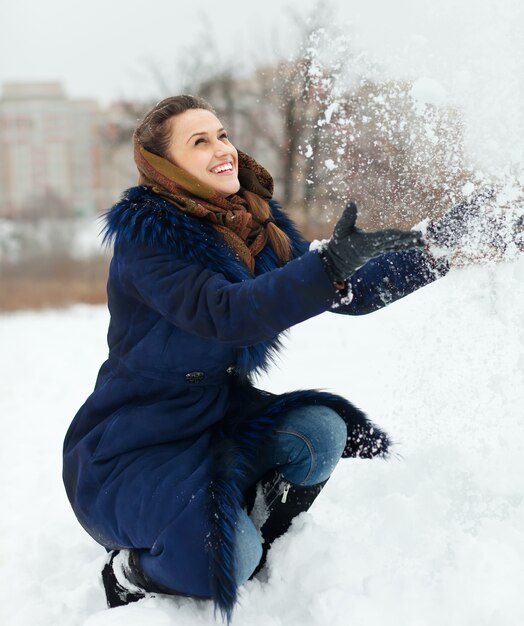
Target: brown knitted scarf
230 215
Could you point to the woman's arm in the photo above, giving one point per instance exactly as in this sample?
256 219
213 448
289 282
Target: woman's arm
377 283
389 278
205 303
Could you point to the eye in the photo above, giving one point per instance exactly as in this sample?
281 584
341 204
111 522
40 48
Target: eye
224 135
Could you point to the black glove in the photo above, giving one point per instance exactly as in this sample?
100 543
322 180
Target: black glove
350 248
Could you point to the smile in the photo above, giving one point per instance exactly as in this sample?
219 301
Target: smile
223 169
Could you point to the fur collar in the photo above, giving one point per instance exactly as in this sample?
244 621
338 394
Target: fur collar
143 217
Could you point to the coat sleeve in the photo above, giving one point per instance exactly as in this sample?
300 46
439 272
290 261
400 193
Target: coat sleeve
389 278
205 303
380 281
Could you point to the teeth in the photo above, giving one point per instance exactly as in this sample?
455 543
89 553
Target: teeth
222 168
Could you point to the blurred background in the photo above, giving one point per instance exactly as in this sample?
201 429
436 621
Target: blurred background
405 107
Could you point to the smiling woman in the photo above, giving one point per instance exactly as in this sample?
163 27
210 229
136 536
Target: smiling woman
165 459
207 154
186 134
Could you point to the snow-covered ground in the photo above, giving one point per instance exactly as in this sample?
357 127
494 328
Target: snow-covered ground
432 537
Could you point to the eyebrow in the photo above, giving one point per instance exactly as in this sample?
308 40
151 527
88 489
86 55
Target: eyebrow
203 133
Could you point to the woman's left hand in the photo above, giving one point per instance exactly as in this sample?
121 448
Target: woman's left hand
477 230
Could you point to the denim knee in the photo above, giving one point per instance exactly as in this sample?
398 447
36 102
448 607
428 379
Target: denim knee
316 436
248 548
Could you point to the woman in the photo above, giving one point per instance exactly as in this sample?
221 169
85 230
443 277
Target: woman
176 462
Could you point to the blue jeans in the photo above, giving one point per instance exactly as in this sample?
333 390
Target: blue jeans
306 447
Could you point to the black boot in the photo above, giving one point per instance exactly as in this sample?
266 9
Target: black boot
125 582
116 578
283 501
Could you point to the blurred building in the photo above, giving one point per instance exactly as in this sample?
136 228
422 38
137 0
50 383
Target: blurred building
58 155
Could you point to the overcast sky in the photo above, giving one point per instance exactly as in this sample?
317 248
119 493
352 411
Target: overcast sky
109 49
104 48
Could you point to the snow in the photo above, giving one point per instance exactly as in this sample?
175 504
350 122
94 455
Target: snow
428 91
79 237
433 536
87 240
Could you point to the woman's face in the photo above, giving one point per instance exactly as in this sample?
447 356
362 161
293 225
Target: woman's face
199 145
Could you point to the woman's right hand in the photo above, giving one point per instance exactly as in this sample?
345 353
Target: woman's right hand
350 248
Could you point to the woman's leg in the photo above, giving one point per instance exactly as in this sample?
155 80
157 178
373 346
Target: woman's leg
292 469
305 449
154 569
248 548
307 445
128 580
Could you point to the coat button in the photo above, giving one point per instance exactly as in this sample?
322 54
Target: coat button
194 377
232 370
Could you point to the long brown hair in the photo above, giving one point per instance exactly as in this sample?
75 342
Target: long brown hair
154 134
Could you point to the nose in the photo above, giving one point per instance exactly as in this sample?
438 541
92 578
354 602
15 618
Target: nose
221 148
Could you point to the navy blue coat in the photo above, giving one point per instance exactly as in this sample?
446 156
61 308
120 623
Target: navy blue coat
153 448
